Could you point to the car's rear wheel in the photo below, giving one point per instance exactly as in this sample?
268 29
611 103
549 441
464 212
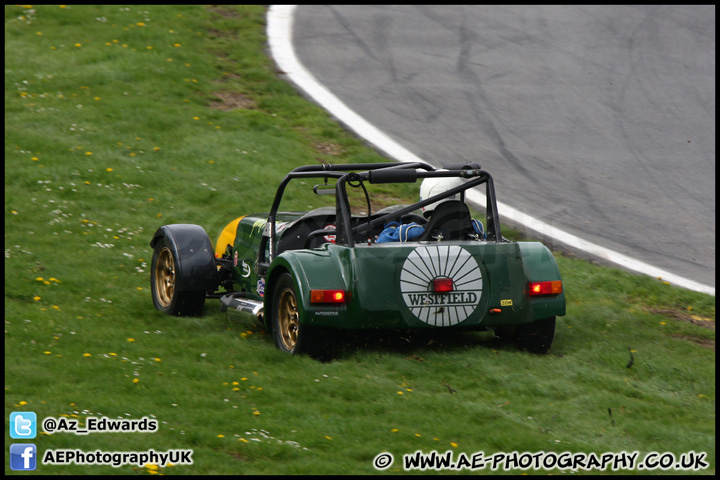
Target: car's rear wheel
289 332
165 293
287 329
535 337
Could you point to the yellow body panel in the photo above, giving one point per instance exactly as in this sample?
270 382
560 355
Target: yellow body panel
227 237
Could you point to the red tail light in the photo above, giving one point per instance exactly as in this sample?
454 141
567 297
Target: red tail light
328 296
443 285
546 288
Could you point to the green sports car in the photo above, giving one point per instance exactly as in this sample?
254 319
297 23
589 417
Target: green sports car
428 265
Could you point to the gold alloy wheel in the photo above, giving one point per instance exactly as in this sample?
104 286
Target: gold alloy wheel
288 325
164 277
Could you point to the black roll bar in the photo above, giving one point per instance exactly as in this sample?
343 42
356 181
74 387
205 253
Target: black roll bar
379 173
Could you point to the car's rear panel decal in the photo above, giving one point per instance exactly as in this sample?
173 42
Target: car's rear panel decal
426 264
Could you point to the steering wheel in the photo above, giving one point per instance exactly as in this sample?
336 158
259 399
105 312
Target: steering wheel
413 217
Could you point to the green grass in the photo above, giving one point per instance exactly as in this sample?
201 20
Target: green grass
106 139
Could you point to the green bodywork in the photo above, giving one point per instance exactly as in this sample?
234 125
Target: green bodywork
390 284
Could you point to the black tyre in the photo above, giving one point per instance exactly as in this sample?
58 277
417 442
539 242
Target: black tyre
164 275
290 334
535 337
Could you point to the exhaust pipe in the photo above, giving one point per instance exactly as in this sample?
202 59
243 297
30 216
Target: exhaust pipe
241 309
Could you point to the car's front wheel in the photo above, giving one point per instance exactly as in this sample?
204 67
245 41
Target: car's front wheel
164 276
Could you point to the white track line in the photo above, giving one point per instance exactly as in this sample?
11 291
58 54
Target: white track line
279 31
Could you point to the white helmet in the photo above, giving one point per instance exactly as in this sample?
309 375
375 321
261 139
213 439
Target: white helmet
434 186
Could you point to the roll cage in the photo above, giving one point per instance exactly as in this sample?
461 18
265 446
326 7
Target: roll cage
376 173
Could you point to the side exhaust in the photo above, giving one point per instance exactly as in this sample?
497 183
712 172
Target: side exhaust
239 308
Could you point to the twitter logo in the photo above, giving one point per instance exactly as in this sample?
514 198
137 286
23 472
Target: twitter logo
23 425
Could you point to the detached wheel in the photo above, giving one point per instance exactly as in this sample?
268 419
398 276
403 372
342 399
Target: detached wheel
535 337
164 275
290 334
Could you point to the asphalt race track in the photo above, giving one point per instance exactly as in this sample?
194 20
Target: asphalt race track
597 120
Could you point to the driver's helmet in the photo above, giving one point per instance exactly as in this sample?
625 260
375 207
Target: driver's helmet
434 186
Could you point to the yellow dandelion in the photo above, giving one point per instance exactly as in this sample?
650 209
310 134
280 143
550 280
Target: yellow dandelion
39 279
328 437
136 380
36 298
86 355
140 24
399 392
130 339
47 352
453 444
22 403
96 99
243 440
78 45
35 159
108 169
88 153
221 436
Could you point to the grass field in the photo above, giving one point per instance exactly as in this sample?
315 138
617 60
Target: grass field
121 119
